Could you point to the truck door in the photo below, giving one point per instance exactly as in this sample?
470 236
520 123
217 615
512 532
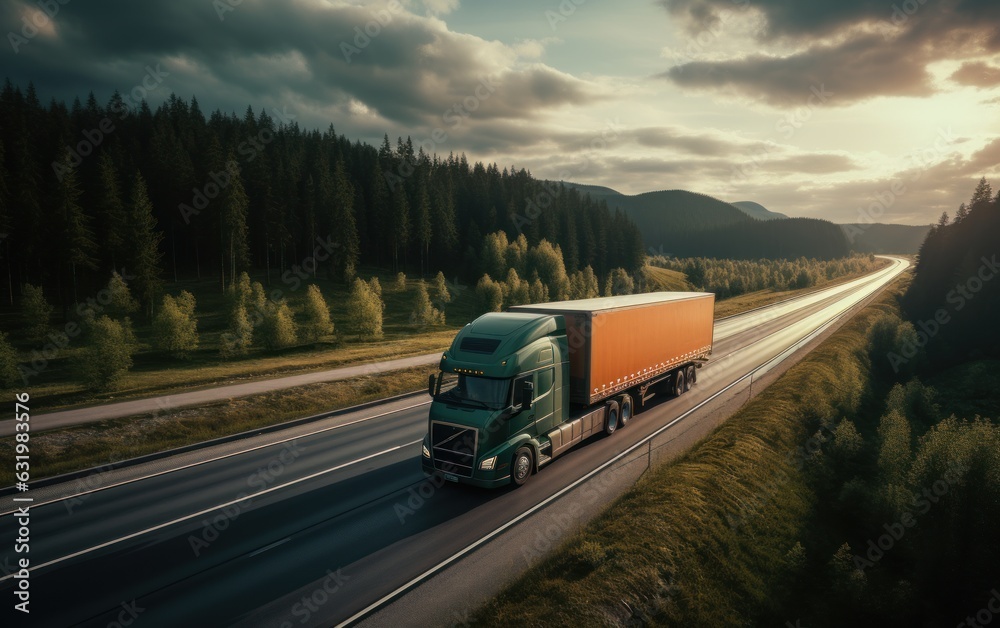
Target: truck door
524 421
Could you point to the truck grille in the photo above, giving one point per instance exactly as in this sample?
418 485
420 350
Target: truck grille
454 448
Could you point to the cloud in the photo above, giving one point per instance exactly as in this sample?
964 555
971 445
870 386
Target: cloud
330 60
977 74
858 49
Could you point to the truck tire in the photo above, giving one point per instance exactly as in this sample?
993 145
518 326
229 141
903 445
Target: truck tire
680 383
611 418
689 377
624 409
520 467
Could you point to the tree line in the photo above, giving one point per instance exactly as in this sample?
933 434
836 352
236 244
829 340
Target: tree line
88 189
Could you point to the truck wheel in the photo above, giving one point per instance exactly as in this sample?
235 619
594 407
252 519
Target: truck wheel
691 377
520 469
611 418
624 410
680 383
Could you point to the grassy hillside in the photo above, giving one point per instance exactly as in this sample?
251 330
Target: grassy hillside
773 517
880 238
758 211
665 280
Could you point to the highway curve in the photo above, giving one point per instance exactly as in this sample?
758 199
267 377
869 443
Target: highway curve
326 522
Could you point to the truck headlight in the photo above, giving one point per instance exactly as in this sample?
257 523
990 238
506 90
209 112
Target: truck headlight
487 464
426 452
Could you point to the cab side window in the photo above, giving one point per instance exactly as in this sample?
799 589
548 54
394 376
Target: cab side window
518 382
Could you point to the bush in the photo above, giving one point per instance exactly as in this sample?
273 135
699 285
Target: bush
489 295
364 310
175 327
619 282
9 374
121 303
278 329
36 312
440 289
400 284
106 360
238 337
423 312
317 314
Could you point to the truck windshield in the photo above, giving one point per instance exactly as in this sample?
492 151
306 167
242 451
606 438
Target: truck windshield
484 391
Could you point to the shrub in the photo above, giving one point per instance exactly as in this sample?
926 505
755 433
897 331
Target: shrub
278 329
317 315
489 295
423 312
175 328
106 360
364 310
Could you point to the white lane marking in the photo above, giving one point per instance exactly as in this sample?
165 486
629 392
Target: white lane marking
229 455
491 535
213 509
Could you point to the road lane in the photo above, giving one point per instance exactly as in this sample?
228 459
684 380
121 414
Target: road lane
358 519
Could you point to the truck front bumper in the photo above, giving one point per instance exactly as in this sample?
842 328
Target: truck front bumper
482 479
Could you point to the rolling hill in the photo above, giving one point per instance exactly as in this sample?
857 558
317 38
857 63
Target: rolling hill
758 211
881 238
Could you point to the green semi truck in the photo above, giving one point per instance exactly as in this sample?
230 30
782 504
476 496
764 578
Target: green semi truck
518 388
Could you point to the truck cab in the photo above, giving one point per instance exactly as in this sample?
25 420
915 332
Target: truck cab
502 385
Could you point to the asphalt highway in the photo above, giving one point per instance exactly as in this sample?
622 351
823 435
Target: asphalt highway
320 525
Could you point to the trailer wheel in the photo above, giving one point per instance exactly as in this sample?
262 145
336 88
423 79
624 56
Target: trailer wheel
611 418
680 383
624 409
520 468
691 377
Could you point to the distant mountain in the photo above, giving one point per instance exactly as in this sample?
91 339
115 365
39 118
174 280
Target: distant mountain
758 211
685 224
665 217
880 238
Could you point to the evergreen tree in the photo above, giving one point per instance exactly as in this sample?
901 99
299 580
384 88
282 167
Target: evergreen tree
144 242
234 205
77 239
9 374
317 315
423 313
440 289
345 224
35 312
364 311
111 210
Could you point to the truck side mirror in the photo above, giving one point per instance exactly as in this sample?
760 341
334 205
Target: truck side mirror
527 392
430 384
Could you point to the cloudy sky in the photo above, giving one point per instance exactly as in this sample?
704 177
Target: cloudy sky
815 109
